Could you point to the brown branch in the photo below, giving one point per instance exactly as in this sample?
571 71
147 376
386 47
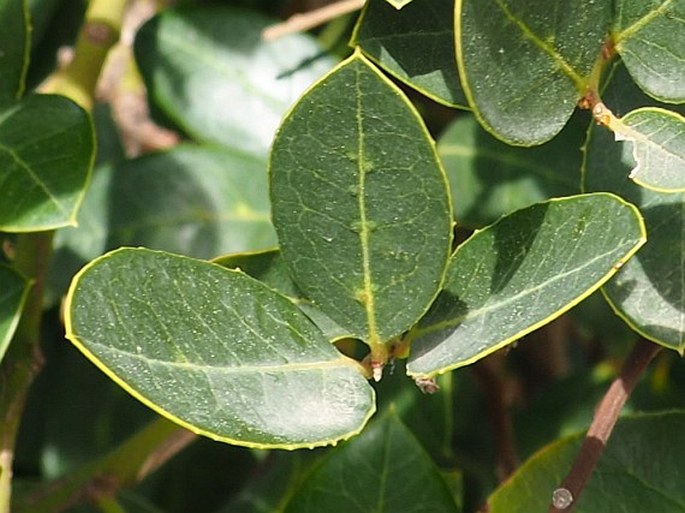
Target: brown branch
305 21
566 496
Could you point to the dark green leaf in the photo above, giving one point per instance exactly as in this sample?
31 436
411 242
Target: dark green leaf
649 292
360 203
524 64
364 475
416 45
215 351
15 42
648 35
13 290
490 179
210 71
46 152
522 272
637 471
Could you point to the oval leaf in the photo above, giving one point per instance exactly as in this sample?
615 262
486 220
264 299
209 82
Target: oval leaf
416 45
228 84
490 179
46 152
215 351
13 291
658 141
649 37
649 292
524 65
522 272
360 203
355 477
15 42
637 467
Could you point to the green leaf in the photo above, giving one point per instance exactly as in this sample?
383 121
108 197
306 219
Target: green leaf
208 70
524 65
46 152
658 140
13 291
638 467
415 45
489 179
649 292
215 351
522 272
648 35
358 476
360 203
15 43
270 268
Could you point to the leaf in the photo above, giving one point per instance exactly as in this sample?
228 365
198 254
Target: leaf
360 203
13 291
270 268
358 476
15 42
520 273
415 45
649 292
46 152
489 179
399 4
637 467
215 351
649 37
208 69
524 65
658 140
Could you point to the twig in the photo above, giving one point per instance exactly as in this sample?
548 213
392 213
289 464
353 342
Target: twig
305 21
566 496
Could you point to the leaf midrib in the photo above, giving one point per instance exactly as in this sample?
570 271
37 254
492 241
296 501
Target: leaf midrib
560 62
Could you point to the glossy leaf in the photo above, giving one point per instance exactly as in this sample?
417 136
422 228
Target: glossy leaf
658 140
648 35
649 292
208 69
489 179
524 65
15 42
358 476
215 351
13 290
360 203
416 45
270 268
46 152
636 468
522 272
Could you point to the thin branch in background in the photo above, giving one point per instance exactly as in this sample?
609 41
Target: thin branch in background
308 20
566 496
